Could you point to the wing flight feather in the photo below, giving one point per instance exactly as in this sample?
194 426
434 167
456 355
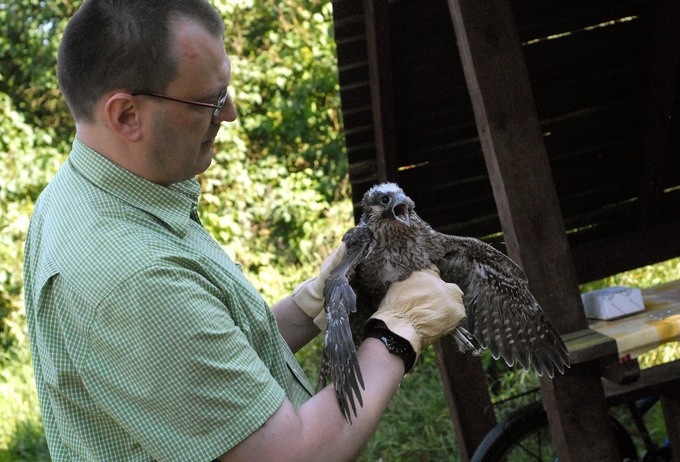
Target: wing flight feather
501 311
339 354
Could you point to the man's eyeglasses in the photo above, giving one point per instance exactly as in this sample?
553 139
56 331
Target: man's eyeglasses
218 107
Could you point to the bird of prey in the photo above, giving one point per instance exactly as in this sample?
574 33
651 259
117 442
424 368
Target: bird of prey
390 242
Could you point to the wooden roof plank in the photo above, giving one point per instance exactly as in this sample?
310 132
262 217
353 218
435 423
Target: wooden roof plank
664 74
382 92
543 19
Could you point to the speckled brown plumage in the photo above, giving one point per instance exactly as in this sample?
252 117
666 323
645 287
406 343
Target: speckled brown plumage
390 242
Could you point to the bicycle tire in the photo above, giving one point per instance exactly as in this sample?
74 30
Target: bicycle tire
515 438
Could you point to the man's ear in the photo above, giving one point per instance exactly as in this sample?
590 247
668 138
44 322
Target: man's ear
122 114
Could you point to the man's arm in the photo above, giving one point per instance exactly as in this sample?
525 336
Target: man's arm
420 310
296 327
300 317
317 430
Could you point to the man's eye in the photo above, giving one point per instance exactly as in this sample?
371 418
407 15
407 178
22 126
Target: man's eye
222 98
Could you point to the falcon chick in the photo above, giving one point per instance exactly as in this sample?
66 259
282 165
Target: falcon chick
390 242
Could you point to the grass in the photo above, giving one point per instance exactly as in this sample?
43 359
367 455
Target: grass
416 426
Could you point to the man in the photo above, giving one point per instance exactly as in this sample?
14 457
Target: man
148 343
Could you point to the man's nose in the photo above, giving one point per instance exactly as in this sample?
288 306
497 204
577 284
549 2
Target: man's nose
228 113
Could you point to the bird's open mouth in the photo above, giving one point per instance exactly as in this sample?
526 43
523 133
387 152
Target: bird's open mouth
400 212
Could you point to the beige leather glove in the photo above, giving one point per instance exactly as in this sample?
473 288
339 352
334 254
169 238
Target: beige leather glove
421 309
308 295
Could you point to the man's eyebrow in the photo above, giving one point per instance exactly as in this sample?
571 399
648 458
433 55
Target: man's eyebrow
207 98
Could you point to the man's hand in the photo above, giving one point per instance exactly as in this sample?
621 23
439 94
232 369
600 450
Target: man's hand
421 309
308 295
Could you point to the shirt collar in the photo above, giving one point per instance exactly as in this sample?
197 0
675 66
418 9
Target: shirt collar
172 204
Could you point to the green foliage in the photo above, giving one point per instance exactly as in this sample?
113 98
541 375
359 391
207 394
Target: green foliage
27 161
35 128
276 197
646 276
31 30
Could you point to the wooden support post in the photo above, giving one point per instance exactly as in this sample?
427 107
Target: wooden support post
578 424
464 382
529 211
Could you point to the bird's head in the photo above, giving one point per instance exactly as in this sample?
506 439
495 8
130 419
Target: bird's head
387 201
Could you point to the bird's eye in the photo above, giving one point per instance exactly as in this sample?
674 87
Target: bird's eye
385 200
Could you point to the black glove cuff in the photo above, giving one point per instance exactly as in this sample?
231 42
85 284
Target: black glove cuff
396 345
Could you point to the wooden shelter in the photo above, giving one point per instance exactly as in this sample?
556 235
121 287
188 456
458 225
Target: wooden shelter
550 129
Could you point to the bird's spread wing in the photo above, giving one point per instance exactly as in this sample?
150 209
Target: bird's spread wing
339 353
502 313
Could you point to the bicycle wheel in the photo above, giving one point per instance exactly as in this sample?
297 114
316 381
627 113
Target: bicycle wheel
525 436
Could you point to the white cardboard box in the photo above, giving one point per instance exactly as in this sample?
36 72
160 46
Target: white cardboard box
612 302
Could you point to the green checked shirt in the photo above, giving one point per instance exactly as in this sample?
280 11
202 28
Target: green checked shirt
148 343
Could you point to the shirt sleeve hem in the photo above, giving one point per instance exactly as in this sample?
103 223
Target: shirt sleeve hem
228 437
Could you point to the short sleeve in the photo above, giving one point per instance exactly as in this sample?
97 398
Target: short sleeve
168 363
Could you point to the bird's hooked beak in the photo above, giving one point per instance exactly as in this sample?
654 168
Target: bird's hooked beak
400 210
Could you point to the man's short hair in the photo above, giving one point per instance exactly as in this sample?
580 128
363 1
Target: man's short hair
123 44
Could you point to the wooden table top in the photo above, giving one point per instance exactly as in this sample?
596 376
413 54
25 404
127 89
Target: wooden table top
641 332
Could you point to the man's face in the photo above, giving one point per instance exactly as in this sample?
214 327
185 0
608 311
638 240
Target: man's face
182 135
